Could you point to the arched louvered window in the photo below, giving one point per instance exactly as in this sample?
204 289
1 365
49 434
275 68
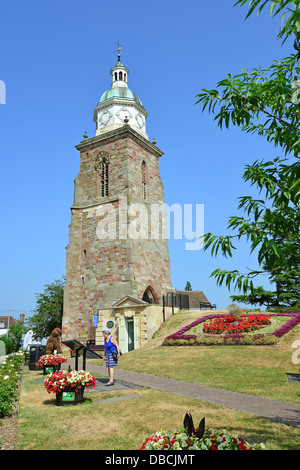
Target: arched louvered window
104 178
144 184
101 166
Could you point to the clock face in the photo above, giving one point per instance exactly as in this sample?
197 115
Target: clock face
104 118
140 120
122 113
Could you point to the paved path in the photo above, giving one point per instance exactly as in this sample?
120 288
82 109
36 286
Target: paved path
287 413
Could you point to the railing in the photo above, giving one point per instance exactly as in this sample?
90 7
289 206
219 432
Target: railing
175 300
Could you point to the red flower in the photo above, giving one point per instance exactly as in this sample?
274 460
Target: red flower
242 446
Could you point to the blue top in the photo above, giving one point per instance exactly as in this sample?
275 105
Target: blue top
109 346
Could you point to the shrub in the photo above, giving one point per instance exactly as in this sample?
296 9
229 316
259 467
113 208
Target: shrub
12 340
236 310
294 309
9 379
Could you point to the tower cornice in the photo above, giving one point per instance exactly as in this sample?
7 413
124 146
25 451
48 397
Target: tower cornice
126 129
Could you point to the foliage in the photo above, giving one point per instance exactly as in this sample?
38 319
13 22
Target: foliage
9 378
14 337
212 440
265 102
188 286
49 309
289 12
234 309
294 309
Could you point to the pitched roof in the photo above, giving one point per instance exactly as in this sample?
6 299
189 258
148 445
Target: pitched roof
195 297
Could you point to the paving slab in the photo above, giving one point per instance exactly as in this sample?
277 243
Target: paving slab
114 399
101 386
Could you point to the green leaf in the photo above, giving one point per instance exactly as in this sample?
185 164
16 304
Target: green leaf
272 6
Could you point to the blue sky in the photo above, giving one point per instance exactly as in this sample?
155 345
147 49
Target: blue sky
55 63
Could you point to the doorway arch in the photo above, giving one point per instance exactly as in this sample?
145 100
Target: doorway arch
150 296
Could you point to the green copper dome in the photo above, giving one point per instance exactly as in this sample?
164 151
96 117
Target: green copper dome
120 93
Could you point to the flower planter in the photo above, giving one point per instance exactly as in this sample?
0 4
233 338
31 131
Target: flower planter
50 369
69 396
51 362
69 386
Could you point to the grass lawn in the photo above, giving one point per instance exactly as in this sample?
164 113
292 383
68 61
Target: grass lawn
123 425
256 370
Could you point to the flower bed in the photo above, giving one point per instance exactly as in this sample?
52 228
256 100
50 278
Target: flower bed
183 339
189 438
236 324
212 440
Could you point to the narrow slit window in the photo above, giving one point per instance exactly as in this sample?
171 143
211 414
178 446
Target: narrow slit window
144 185
104 179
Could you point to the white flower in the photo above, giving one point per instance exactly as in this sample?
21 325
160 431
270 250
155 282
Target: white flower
6 377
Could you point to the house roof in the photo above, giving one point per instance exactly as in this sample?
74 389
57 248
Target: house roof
195 297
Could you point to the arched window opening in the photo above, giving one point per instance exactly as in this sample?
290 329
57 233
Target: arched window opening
149 296
116 76
102 169
144 185
120 76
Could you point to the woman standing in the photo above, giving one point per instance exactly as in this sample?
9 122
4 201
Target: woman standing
110 345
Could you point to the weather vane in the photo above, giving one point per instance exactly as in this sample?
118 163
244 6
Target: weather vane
118 50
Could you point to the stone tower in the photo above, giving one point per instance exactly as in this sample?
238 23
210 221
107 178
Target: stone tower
117 258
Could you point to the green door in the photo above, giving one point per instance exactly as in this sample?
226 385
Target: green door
130 332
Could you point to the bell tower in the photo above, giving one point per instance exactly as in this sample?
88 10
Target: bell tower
118 245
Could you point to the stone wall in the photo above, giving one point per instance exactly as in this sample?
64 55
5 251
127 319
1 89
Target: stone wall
147 321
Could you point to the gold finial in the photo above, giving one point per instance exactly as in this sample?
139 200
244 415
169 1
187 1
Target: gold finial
85 136
154 142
